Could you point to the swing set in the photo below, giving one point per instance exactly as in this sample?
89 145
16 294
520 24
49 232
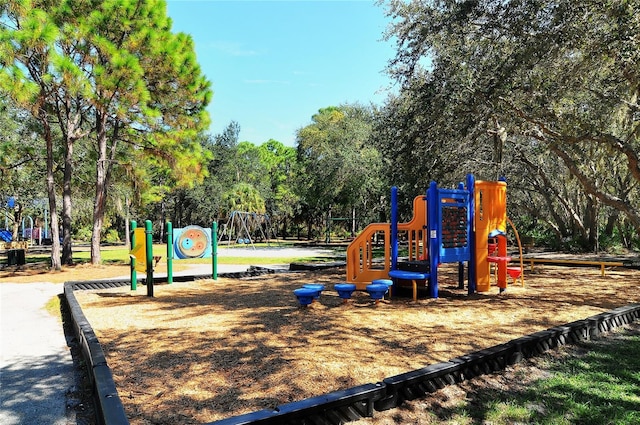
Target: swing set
244 227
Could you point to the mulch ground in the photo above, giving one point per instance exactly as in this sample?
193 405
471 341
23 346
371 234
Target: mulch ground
206 350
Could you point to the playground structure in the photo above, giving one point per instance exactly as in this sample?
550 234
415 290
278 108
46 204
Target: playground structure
184 243
244 227
467 224
16 237
30 231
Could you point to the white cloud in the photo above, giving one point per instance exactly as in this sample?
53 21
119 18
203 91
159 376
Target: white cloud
259 81
233 49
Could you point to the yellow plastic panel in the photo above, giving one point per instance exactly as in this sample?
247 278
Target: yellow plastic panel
139 250
490 214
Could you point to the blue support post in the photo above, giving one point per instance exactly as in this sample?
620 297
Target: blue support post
394 228
433 227
473 281
461 263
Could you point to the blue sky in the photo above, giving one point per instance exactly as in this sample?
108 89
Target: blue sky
273 64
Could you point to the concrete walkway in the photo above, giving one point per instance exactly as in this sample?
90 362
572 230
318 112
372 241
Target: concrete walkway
37 375
36 367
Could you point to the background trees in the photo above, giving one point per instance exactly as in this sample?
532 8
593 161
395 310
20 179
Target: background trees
547 88
111 104
19 181
340 167
111 72
27 42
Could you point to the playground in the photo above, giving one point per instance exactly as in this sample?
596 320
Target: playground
206 350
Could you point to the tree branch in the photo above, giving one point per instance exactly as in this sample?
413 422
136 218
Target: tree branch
622 146
592 189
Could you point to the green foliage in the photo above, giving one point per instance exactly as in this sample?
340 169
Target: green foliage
544 93
201 203
111 236
83 234
280 166
112 72
242 197
340 166
241 177
541 92
20 153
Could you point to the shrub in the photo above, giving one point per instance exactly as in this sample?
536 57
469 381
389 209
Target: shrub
83 234
111 236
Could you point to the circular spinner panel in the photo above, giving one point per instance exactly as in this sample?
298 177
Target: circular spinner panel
192 242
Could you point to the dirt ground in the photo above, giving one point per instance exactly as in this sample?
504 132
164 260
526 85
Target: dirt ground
206 350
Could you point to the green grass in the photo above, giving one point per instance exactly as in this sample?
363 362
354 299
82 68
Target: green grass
114 255
600 387
53 306
110 255
120 255
255 260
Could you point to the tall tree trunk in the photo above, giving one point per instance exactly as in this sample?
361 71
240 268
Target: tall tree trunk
51 193
591 224
284 228
103 170
17 219
163 215
353 221
612 220
99 201
127 228
67 253
71 126
179 212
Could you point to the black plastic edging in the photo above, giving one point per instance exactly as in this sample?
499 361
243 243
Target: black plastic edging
110 410
631 264
350 404
336 407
